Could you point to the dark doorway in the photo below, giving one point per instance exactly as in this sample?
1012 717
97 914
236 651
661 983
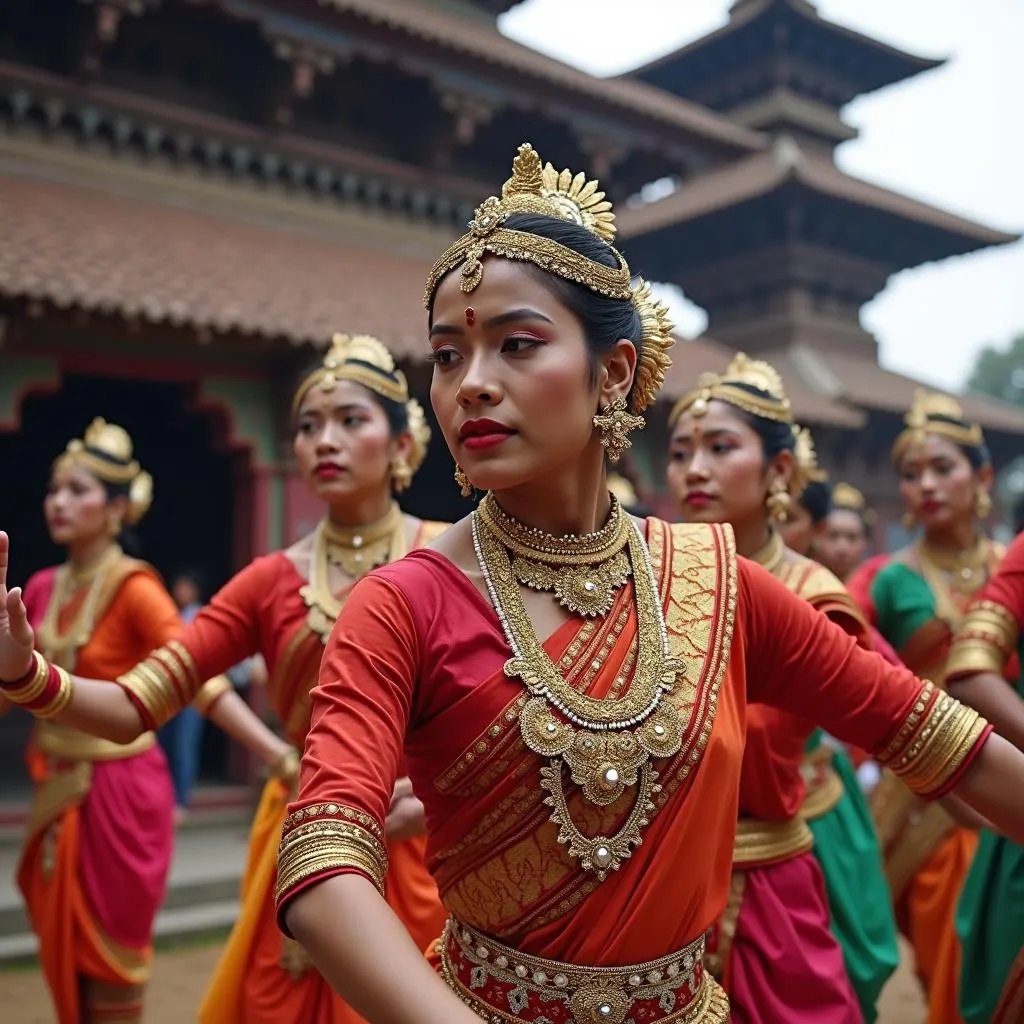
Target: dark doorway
190 525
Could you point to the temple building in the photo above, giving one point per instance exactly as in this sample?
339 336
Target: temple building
193 195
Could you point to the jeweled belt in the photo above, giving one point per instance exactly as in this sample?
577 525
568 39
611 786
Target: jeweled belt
824 787
502 985
69 744
760 843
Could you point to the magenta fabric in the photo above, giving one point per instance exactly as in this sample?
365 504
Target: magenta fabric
786 966
127 840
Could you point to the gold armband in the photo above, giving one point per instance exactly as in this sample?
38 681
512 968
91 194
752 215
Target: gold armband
985 641
936 738
210 692
323 838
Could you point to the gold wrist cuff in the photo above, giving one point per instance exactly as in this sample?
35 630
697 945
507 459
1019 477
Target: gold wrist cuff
33 689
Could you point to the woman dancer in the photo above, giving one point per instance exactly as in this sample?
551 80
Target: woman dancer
358 436
735 457
584 900
844 543
919 598
94 865
987 653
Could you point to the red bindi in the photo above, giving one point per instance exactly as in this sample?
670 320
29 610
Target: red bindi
470 316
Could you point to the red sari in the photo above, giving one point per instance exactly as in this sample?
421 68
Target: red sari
263 978
414 668
94 865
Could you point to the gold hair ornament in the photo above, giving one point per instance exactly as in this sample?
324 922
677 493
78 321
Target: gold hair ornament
540 189
805 458
847 496
731 386
105 451
364 360
940 415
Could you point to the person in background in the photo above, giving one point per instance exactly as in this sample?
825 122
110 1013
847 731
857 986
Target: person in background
844 540
182 735
808 516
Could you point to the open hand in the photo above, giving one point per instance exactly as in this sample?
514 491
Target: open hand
16 637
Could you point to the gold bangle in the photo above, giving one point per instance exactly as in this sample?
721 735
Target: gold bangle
34 688
286 767
65 691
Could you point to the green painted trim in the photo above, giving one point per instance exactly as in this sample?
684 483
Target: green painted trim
275 511
17 374
251 404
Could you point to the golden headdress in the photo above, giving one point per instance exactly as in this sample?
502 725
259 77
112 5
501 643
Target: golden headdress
732 386
935 413
847 496
364 360
807 457
106 451
537 188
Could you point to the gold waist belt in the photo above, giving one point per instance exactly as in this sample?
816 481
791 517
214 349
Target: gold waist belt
71 745
504 986
760 843
824 787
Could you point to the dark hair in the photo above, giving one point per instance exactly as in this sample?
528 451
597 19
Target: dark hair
127 538
1018 516
776 435
816 497
605 321
396 413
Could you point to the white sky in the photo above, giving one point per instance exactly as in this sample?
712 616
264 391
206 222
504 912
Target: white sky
952 137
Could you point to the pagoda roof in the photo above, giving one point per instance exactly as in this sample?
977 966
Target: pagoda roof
765 173
861 63
81 248
483 41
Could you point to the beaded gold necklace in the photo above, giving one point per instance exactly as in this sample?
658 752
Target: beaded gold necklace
62 648
584 573
606 744
356 550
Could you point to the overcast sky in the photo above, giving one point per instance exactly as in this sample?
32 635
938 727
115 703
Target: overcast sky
953 137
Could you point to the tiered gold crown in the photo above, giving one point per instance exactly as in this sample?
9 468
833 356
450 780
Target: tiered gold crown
732 386
806 456
106 451
364 360
935 413
538 188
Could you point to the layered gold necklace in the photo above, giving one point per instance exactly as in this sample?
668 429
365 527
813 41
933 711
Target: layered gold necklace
62 647
952 573
607 745
773 554
356 550
583 572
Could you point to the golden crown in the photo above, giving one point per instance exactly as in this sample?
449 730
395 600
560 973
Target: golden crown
732 386
105 451
364 360
847 496
538 188
806 456
934 413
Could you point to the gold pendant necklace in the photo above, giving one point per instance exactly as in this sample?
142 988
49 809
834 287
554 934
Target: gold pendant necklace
584 573
62 648
773 554
336 545
607 744
966 569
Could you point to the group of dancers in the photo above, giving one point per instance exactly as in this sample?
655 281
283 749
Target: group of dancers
553 762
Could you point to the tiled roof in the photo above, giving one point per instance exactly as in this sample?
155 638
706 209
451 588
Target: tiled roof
89 249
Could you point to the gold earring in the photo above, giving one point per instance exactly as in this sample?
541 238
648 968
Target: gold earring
616 422
907 521
778 501
465 487
401 475
982 504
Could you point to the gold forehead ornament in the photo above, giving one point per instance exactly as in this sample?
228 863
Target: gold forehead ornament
732 386
540 189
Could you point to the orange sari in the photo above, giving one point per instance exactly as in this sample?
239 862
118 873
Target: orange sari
96 856
262 977
414 669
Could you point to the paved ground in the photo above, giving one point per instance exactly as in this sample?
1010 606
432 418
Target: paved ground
180 978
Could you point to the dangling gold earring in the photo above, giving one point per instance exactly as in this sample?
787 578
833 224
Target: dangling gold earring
982 504
616 422
465 487
401 475
907 521
778 501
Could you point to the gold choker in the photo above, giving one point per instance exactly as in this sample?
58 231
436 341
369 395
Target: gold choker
608 745
584 572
